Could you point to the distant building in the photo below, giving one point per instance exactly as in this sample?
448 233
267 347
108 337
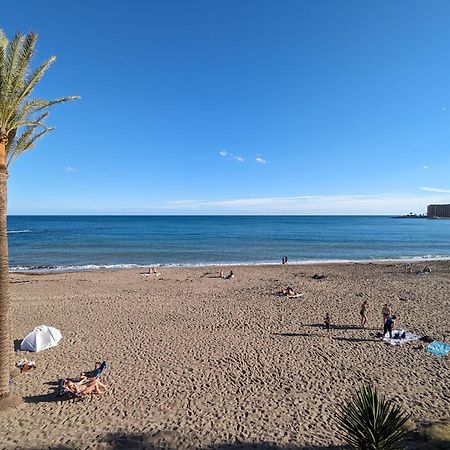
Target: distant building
437 211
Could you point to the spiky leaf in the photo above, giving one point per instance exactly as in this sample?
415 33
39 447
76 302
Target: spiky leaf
370 422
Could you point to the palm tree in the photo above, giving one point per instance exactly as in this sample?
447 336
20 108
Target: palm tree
21 124
370 422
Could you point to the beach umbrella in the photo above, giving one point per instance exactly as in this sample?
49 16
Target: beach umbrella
41 338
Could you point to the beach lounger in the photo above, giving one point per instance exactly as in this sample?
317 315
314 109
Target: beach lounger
96 373
88 383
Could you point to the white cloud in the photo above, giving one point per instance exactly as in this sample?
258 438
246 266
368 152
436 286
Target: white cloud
260 160
426 167
431 189
229 155
389 203
71 169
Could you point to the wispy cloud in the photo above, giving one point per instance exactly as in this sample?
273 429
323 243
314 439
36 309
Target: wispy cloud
432 189
229 155
309 204
71 169
426 167
260 160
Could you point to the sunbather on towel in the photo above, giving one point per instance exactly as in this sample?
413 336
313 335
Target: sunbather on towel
288 292
86 386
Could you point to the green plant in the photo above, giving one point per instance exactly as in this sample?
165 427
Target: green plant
370 422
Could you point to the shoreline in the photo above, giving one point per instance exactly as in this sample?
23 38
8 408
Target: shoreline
117 267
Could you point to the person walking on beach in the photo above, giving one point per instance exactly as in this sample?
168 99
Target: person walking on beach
327 323
389 326
386 311
363 313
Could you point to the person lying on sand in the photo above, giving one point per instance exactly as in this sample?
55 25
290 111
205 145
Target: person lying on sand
230 275
86 386
25 366
151 271
408 267
426 270
289 292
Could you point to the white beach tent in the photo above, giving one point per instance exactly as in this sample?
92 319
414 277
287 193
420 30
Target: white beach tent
41 338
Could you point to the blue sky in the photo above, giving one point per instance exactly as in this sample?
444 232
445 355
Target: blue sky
239 106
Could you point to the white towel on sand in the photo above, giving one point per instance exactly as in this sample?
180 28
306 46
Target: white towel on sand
397 340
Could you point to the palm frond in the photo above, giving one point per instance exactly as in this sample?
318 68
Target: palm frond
24 143
9 70
22 118
3 39
370 422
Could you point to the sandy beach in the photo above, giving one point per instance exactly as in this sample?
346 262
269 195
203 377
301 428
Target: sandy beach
196 361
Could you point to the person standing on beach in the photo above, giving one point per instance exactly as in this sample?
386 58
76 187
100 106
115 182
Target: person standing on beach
386 311
363 313
389 326
327 322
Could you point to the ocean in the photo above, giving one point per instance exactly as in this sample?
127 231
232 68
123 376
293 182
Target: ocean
58 243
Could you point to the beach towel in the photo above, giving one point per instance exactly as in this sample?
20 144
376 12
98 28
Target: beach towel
399 337
296 295
438 348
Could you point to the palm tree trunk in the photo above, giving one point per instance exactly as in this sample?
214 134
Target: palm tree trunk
5 304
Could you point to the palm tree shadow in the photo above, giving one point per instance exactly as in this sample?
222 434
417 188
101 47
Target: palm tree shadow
169 440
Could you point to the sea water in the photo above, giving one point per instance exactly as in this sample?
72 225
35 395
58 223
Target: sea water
88 242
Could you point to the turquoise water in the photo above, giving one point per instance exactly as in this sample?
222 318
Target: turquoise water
87 242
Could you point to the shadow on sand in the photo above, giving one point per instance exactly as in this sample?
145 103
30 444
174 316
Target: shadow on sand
17 344
294 334
49 397
333 326
353 339
170 440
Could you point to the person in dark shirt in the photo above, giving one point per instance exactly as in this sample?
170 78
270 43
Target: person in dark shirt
389 326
